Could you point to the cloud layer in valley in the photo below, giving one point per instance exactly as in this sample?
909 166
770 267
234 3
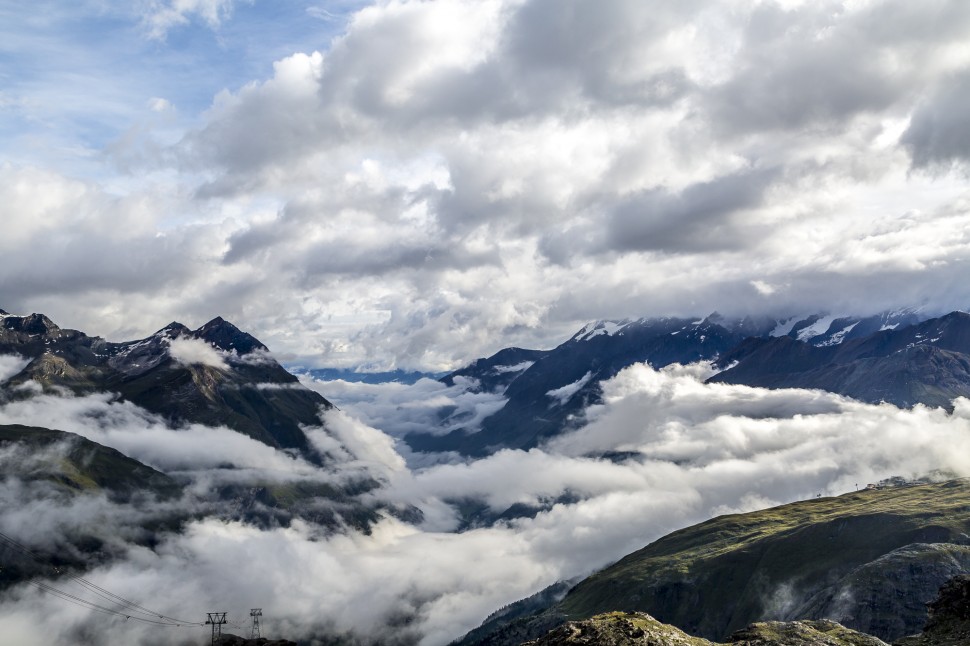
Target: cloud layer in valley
694 450
414 184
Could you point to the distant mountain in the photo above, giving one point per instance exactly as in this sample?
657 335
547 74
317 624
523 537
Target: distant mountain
548 390
870 560
496 372
926 363
216 375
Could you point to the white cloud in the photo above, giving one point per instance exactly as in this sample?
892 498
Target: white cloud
146 437
415 195
427 406
189 351
10 365
158 104
565 393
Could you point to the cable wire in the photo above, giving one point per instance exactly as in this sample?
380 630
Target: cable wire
134 609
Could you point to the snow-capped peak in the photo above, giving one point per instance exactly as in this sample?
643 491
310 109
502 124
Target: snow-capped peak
597 328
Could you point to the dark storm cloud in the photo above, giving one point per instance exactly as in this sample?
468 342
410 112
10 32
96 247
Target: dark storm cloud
703 217
699 218
939 132
819 65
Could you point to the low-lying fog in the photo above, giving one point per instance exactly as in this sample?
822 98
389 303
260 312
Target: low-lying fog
695 451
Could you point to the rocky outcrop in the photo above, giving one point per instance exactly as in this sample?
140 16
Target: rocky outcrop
640 629
888 596
949 617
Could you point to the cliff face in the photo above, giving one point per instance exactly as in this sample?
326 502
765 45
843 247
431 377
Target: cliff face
949 617
887 596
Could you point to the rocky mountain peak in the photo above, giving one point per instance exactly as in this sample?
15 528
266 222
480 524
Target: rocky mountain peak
226 336
33 325
173 330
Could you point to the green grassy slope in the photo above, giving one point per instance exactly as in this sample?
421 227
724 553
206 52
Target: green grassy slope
74 463
718 576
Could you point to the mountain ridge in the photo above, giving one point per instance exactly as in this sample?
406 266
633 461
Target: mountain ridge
901 357
214 375
718 576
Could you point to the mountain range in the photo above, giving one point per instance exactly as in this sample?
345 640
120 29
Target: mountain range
222 377
216 376
901 357
869 559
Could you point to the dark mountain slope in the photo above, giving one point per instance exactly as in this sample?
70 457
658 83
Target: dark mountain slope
546 398
74 464
497 371
949 617
927 363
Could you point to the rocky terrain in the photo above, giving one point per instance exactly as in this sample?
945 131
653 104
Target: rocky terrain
949 617
948 624
926 363
640 629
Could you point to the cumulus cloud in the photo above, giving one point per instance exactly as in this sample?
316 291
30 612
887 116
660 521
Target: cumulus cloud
464 176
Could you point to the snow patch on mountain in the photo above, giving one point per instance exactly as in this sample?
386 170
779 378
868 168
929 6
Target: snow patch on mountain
839 336
784 327
565 393
609 328
817 328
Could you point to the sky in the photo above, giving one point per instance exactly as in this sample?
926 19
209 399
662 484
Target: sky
407 184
